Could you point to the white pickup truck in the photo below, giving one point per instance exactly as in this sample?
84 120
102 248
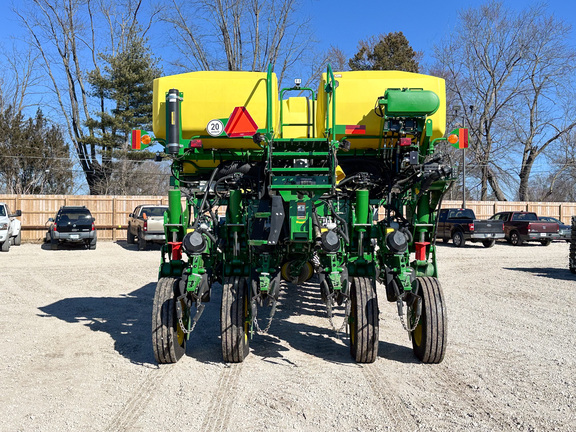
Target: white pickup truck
146 224
9 228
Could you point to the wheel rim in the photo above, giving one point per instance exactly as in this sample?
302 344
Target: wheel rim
514 237
246 320
417 335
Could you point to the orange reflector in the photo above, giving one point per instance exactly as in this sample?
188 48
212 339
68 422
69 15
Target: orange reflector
453 139
136 140
240 124
146 140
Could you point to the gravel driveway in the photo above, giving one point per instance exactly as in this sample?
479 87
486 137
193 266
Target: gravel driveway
75 350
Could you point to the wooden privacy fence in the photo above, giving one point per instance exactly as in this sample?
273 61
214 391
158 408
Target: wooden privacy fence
111 211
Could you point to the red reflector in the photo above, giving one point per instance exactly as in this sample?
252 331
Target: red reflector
421 250
355 130
240 124
176 250
136 139
463 142
405 142
195 143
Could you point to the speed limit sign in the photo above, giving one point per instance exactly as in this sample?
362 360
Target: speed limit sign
215 127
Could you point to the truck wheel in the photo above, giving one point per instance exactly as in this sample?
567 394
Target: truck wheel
545 242
168 339
363 320
515 239
6 245
458 238
488 243
130 238
235 319
18 239
92 244
53 244
429 336
142 244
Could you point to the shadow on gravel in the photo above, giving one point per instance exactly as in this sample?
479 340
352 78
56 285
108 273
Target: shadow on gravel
552 273
134 247
127 319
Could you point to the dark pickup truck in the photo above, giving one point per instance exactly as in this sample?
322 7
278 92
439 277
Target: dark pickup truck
521 227
461 225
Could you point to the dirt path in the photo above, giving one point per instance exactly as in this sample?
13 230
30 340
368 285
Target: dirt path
76 352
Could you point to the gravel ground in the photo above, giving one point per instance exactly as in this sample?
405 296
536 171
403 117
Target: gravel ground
76 352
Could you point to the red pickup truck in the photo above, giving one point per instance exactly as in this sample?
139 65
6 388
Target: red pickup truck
520 227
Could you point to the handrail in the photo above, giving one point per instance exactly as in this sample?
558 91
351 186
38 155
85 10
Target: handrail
269 125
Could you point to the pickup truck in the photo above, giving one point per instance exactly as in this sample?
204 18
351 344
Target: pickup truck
146 224
9 228
521 227
461 225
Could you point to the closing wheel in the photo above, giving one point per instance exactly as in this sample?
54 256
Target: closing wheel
168 339
235 319
306 272
363 320
429 336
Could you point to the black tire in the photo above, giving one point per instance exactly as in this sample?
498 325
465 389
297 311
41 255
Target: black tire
53 244
92 244
429 336
142 244
515 239
130 238
168 340
6 245
572 248
545 242
18 239
234 319
458 238
445 239
488 243
363 321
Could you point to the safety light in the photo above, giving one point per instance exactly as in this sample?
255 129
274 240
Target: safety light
195 143
453 139
405 142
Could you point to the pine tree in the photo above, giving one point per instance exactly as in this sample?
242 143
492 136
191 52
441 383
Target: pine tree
124 88
386 52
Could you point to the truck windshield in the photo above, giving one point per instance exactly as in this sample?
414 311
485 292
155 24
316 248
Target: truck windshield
524 217
461 214
154 211
74 215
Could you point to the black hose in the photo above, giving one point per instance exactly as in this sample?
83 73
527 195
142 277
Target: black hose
204 197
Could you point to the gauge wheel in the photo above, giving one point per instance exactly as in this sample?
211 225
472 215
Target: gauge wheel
363 320
515 239
235 319
458 238
168 339
429 335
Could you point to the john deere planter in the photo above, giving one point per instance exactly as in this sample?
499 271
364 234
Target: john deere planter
342 183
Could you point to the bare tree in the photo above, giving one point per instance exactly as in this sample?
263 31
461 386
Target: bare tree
485 64
250 34
65 34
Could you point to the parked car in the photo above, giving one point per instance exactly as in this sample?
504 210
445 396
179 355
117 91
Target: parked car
565 230
146 224
520 227
461 225
72 224
10 228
